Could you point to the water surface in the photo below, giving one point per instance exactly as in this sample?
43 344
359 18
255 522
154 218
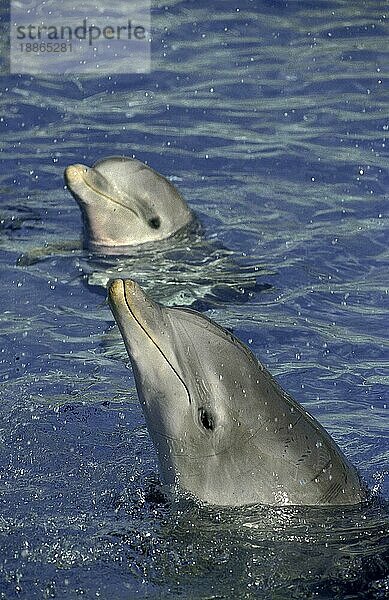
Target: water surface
272 120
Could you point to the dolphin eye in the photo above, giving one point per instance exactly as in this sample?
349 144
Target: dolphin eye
155 222
206 419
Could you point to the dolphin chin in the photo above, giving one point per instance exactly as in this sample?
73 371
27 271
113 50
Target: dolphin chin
125 203
224 431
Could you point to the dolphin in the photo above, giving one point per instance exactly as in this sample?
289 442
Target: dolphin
124 203
224 431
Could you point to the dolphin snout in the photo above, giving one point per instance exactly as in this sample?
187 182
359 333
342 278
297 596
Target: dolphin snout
127 295
122 289
115 289
75 173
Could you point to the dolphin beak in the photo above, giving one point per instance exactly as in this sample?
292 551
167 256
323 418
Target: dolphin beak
116 290
122 303
127 299
74 174
130 305
142 321
123 291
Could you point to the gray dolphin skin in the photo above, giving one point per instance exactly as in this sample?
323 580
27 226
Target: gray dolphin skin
124 203
224 431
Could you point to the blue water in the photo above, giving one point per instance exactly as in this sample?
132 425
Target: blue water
272 119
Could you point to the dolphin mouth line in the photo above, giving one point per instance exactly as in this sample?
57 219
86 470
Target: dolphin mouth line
100 193
155 343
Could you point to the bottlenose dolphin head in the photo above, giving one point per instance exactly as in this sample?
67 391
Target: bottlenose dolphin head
223 429
124 203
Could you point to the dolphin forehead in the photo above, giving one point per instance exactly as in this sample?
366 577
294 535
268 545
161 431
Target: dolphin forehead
133 176
119 166
148 188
